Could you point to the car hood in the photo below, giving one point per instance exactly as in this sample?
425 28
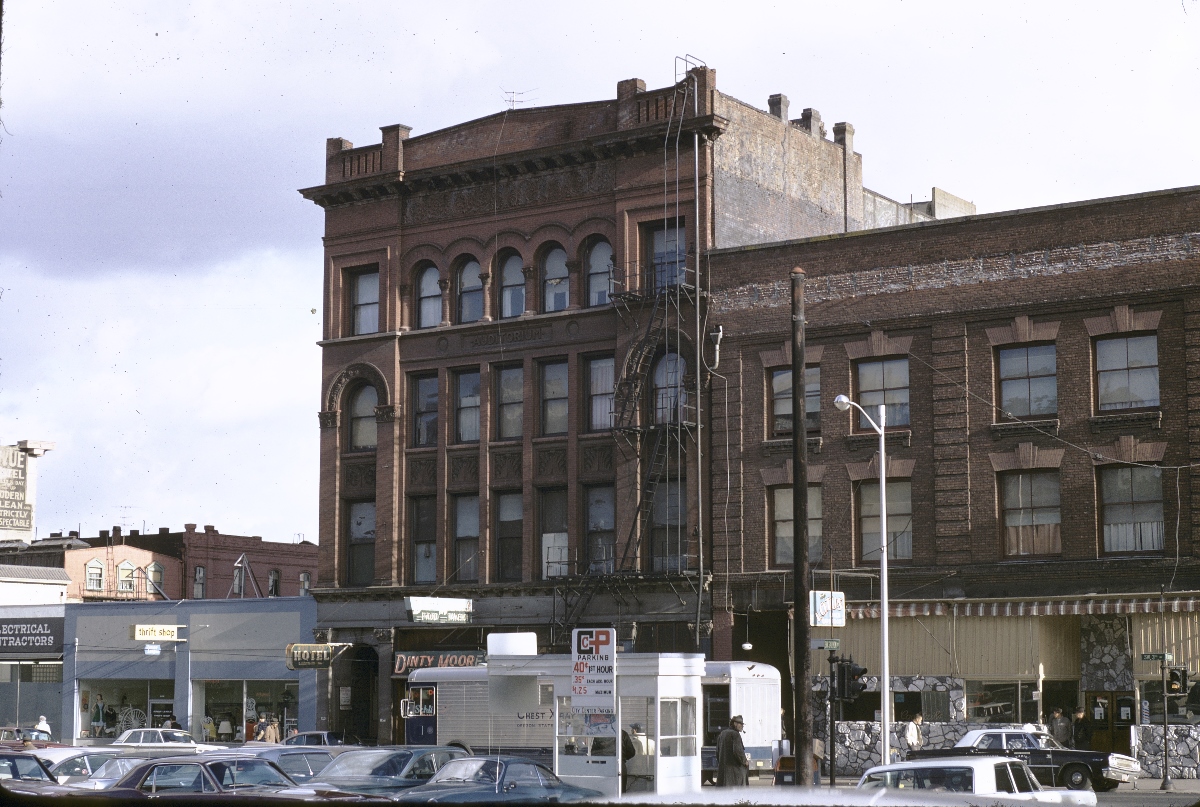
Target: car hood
361 784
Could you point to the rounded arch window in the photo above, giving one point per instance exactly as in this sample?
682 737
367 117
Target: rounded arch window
364 431
670 398
599 273
556 282
512 287
470 292
429 298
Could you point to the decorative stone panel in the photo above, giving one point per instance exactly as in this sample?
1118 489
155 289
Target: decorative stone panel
506 468
897 468
1023 329
422 474
782 356
464 471
1104 659
782 475
597 462
1123 319
878 344
551 464
328 420
1026 456
1129 449
359 479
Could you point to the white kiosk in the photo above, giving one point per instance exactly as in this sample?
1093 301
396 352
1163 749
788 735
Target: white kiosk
656 717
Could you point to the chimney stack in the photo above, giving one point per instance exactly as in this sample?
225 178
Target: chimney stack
778 104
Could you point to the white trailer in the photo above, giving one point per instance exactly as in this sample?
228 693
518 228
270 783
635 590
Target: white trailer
745 688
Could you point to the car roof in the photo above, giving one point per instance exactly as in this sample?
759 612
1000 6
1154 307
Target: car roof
66 752
943 762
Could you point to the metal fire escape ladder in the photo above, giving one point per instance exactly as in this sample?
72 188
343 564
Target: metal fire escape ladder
634 374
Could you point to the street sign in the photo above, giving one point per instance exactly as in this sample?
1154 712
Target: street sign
1157 657
825 644
827 609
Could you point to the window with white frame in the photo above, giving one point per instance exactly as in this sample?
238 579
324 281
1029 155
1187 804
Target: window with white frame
677 727
470 292
429 298
554 398
154 573
364 431
556 281
1028 380
1127 372
95 575
1132 504
599 273
512 288
510 402
466 539
899 519
467 406
125 576
366 302
885 382
601 385
1031 513
199 578
783 524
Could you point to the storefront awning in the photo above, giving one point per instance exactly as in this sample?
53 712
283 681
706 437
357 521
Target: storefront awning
1055 607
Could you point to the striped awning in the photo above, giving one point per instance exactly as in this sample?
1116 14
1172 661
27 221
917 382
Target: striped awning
1055 607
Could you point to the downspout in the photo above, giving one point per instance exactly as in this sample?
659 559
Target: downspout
699 367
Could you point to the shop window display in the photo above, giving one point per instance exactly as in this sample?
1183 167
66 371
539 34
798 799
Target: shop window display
232 708
109 707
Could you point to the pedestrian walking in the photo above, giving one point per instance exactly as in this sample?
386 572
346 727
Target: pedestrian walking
171 723
913 738
1081 731
732 768
42 725
1060 727
271 733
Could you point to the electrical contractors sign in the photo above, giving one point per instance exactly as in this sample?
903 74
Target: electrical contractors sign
36 637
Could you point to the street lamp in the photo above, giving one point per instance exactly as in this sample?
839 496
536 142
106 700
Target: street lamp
843 403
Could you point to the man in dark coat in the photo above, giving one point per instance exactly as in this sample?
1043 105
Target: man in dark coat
1081 731
732 769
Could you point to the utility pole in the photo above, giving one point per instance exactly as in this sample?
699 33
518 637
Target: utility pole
802 663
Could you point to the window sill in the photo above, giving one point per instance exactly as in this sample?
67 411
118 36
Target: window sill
871 439
1023 428
1125 420
783 445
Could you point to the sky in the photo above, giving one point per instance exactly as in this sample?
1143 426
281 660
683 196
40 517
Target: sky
160 278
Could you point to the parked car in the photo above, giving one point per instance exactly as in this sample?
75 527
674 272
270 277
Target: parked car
15 738
23 773
488 780
213 775
126 759
164 738
387 770
322 738
1051 762
1010 779
300 764
69 764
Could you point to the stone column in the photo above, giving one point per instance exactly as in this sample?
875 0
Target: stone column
531 300
575 288
444 285
329 560
486 279
385 649
403 307
386 504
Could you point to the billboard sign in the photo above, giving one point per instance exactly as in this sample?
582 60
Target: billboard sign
16 512
594 668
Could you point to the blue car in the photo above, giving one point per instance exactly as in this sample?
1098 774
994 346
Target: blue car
487 780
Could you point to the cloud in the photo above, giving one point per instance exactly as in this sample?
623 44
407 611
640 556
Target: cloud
182 397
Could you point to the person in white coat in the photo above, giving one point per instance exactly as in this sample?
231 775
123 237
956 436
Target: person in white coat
913 738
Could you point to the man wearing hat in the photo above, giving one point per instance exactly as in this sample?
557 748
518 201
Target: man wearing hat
1081 730
732 768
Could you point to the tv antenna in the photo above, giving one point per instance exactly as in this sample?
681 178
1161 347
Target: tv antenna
514 97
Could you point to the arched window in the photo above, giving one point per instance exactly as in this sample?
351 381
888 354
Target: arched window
364 431
429 298
670 398
154 573
512 288
599 273
198 580
95 575
305 583
470 293
556 284
273 579
125 576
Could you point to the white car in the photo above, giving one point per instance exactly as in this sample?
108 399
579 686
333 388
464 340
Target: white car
164 739
989 776
73 764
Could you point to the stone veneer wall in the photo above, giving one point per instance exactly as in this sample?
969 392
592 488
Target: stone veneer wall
1185 751
1104 659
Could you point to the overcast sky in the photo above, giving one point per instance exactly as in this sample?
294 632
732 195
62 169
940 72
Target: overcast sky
158 270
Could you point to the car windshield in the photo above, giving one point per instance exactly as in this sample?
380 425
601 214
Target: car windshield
174 736
35 734
247 773
21 768
117 767
1046 741
369 763
940 779
484 771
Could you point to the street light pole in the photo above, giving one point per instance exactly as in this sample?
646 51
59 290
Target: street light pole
802 726
843 403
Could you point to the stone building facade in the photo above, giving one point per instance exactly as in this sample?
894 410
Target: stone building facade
491 296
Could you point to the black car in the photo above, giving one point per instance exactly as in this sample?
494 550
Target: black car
385 771
1054 765
301 763
488 780
212 775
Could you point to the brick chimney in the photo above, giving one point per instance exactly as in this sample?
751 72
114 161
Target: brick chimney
778 105
210 529
810 120
189 527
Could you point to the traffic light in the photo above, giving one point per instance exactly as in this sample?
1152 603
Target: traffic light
855 685
1177 682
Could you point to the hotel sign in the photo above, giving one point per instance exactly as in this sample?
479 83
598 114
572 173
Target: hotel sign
309 656
15 512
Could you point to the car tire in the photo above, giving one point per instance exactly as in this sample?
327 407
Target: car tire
1077 777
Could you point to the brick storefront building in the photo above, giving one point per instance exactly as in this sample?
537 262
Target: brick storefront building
511 411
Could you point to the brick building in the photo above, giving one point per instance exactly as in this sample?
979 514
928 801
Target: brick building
510 406
119 565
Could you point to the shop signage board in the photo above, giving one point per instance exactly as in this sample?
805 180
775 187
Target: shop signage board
409 660
827 609
594 668
16 513
439 610
308 656
31 637
155 633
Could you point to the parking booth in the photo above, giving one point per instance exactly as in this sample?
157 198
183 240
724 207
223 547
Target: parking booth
650 742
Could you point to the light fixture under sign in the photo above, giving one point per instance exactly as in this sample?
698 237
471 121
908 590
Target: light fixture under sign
747 646
153 649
